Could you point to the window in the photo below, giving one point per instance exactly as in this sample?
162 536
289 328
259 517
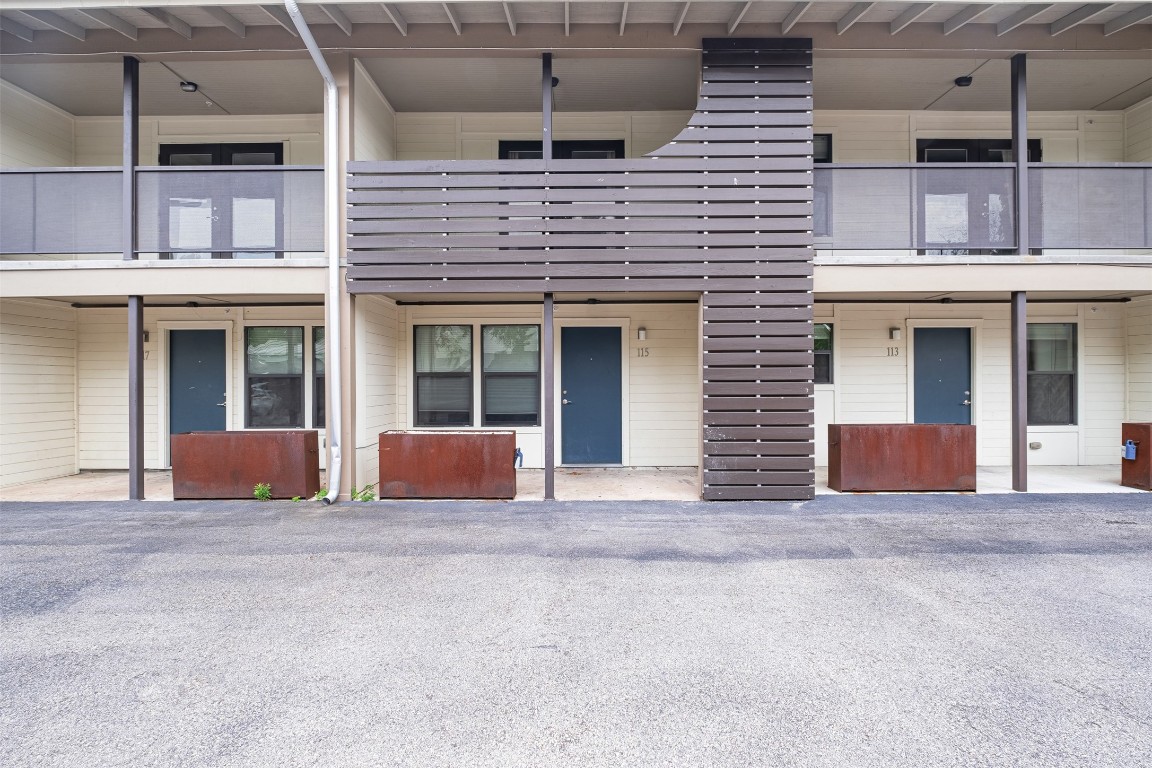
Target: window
318 413
274 370
1051 373
822 346
511 375
822 148
576 149
443 375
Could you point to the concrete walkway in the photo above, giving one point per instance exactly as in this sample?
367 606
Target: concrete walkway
862 631
581 484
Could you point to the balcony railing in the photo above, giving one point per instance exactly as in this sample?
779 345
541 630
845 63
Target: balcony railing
959 210
183 213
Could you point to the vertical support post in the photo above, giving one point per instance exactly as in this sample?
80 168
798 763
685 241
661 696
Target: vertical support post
1019 391
548 350
546 107
1020 147
131 148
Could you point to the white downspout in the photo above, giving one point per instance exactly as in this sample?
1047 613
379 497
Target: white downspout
332 215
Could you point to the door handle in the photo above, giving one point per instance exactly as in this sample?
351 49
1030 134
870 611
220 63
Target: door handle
966 402
565 401
223 404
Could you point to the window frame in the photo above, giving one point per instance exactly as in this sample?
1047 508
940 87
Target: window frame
299 376
417 375
1073 374
319 400
485 376
829 353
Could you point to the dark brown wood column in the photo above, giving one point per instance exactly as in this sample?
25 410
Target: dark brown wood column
1020 298
131 147
547 347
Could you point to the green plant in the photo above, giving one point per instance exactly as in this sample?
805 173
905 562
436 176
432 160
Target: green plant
262 492
367 493
320 494
297 498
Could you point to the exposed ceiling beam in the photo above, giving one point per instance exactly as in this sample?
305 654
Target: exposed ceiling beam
1135 16
739 17
281 17
227 20
623 17
453 19
793 17
338 18
1022 16
915 11
567 18
393 13
174 23
969 13
16 29
1077 17
511 18
58 23
680 17
110 20
855 13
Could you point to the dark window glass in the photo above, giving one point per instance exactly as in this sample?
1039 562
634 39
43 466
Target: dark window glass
274 369
511 375
576 149
822 347
318 413
443 366
1051 373
822 148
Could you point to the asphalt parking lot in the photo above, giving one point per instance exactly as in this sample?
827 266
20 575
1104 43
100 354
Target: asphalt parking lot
846 631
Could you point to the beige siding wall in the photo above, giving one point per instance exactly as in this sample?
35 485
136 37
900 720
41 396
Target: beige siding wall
378 347
102 370
873 373
477 135
661 388
1139 351
33 133
37 391
98 139
373 120
869 137
1138 132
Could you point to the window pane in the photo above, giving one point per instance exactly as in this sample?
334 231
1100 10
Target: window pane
443 400
511 348
1050 398
822 336
512 400
274 401
275 350
822 368
318 413
443 348
1052 347
318 350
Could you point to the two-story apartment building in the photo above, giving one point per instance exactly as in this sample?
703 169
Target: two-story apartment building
641 234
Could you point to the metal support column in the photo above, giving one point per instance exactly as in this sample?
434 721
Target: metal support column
547 350
131 149
1020 298
1019 333
546 111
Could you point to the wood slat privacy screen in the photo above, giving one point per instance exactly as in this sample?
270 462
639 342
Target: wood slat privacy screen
723 210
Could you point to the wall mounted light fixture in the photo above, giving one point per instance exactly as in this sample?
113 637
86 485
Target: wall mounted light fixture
641 333
895 334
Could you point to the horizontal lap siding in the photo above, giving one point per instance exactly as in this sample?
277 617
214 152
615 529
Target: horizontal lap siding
38 388
723 210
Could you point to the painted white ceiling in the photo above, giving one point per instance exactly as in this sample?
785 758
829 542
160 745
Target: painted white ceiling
421 84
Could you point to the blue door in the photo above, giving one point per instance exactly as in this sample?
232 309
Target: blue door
197 382
590 399
943 375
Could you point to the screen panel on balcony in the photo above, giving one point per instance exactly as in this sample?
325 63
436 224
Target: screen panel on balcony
58 213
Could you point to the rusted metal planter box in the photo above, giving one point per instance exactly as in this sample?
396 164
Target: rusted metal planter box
227 465
1137 473
902 457
447 465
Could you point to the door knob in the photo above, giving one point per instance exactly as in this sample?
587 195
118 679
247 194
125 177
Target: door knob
966 402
